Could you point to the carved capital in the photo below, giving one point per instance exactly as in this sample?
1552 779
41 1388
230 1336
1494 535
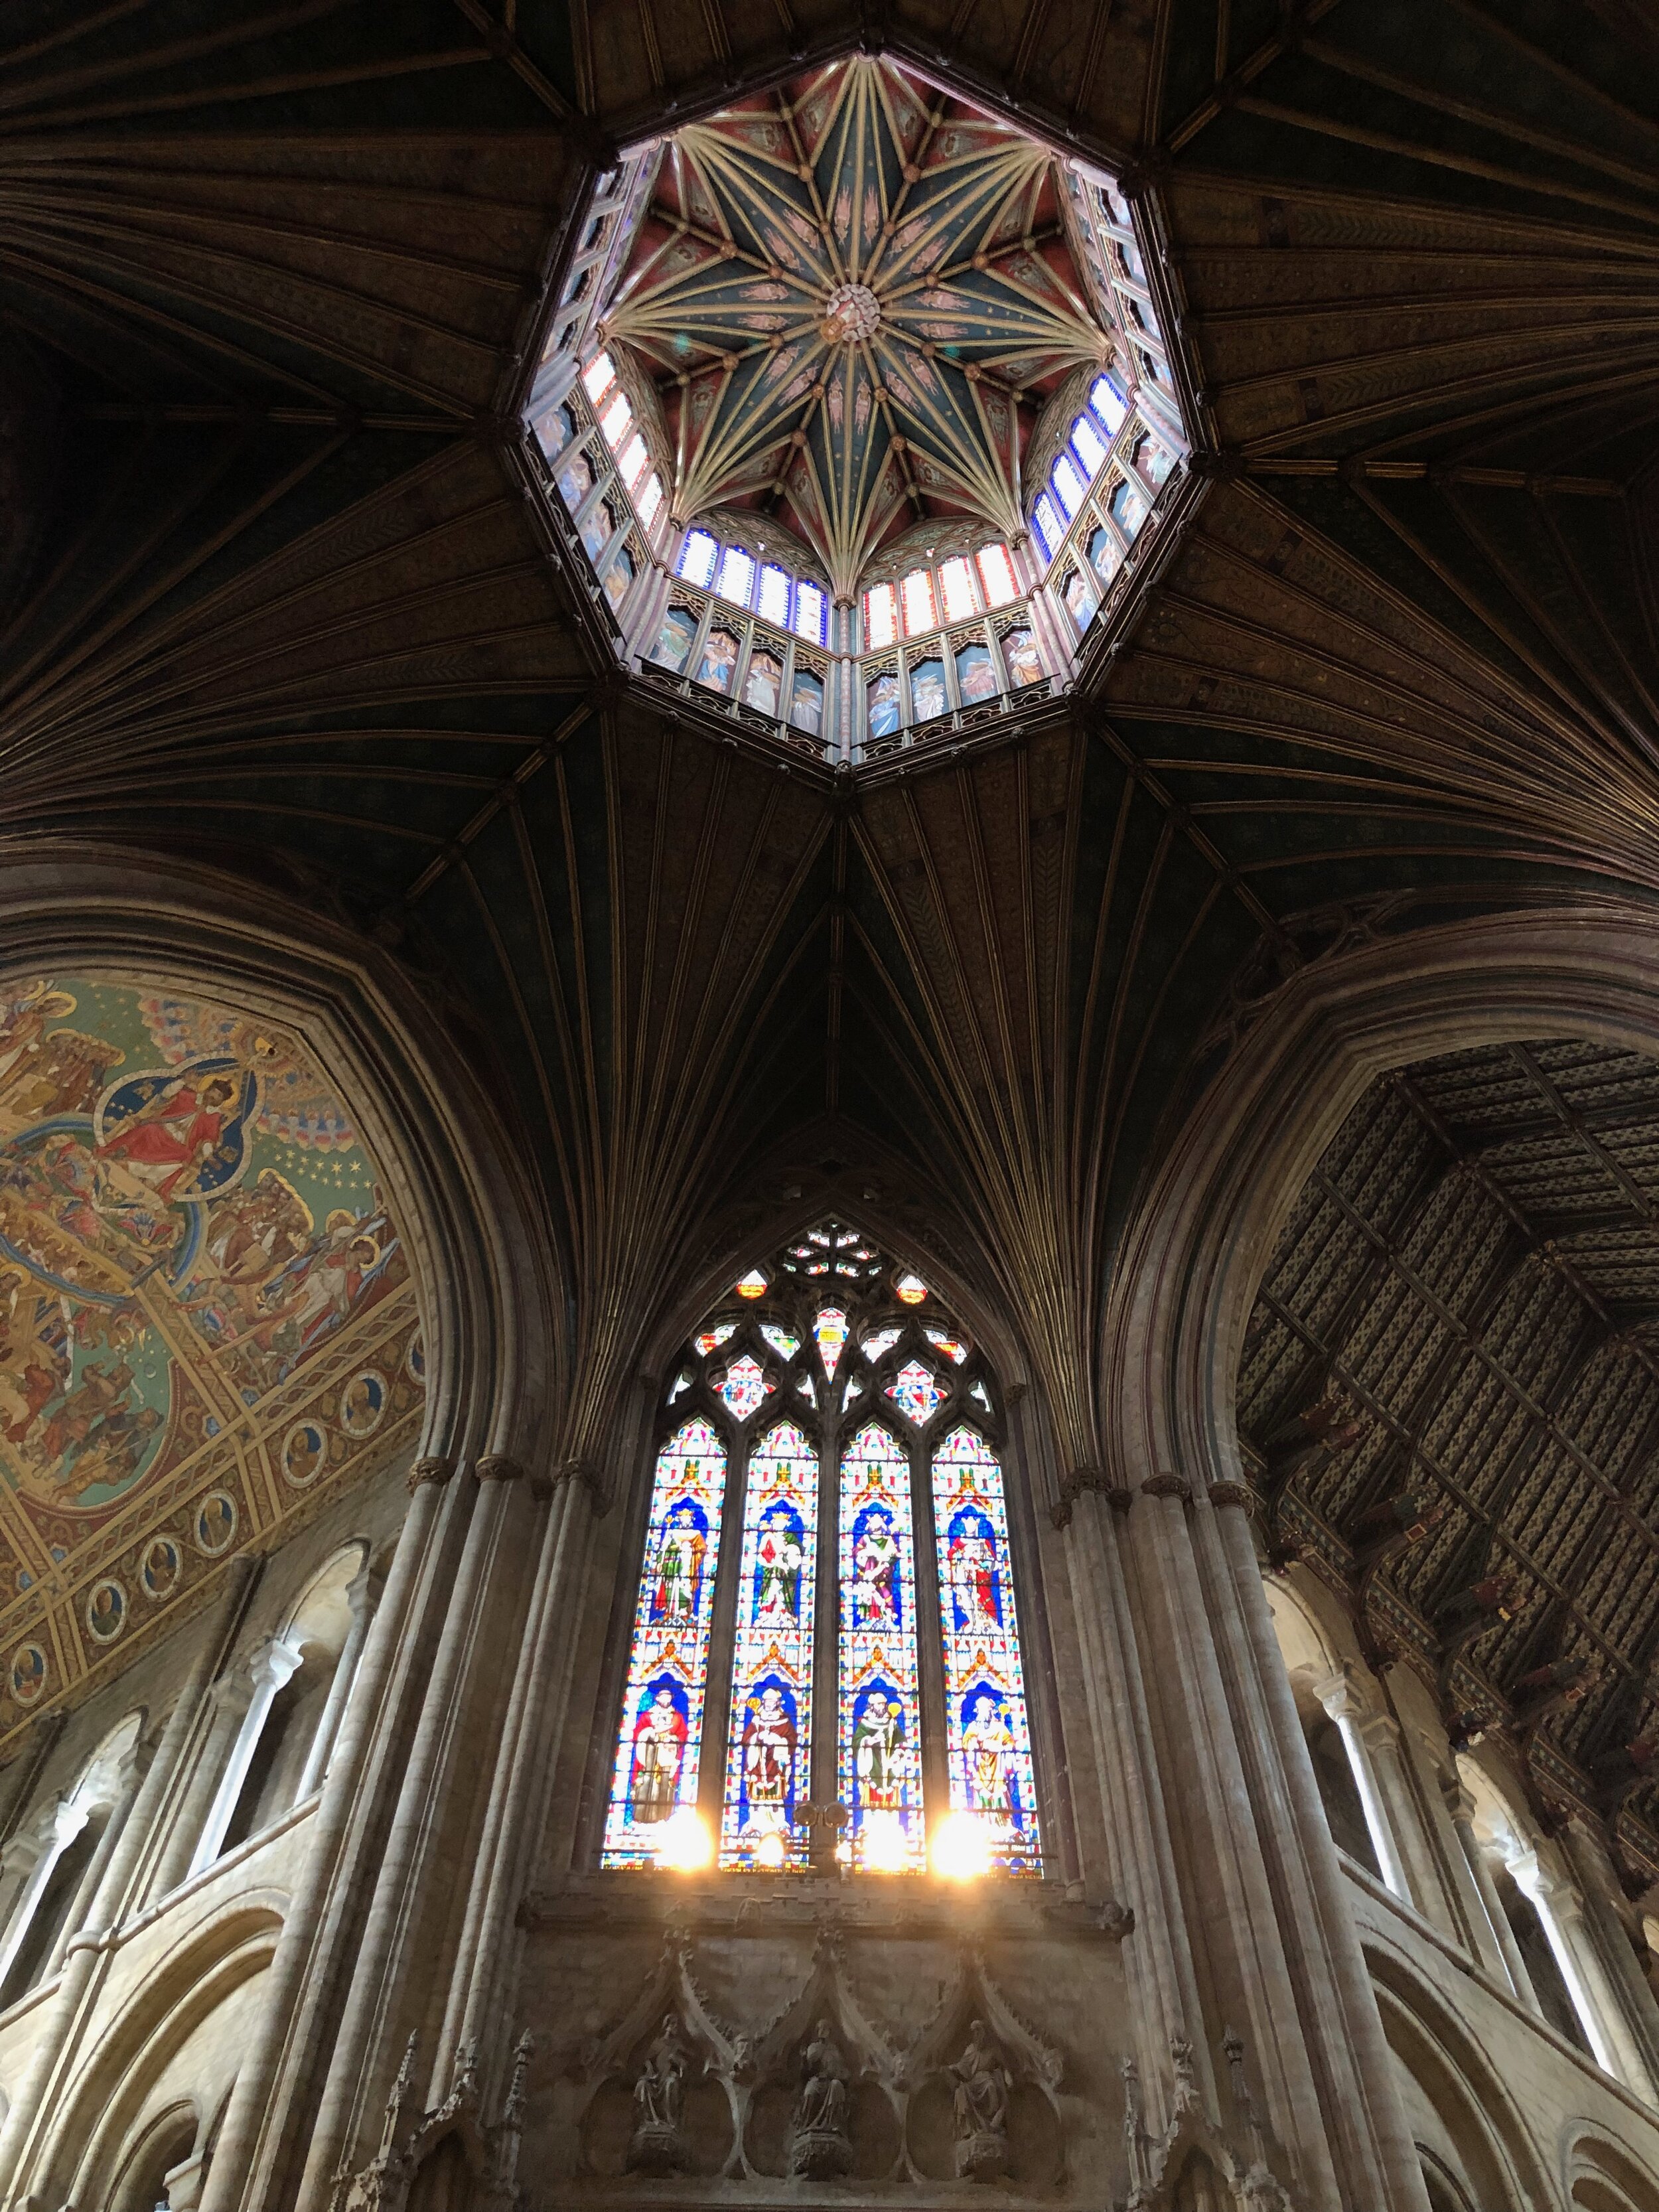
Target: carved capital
575 1470
1342 1697
497 1466
432 1470
1167 1485
1232 1493
1082 1479
272 1663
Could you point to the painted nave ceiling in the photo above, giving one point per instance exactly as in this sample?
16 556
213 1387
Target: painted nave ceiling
293 604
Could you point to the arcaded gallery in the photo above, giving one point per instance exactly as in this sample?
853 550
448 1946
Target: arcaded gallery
829 1106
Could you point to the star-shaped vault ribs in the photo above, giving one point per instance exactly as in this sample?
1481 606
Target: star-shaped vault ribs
853 297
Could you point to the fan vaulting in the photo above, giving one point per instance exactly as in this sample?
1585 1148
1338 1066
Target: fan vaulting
853 295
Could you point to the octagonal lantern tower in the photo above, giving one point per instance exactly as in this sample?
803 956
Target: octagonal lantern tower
857 411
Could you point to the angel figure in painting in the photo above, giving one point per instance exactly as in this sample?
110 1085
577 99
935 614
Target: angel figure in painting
659 1735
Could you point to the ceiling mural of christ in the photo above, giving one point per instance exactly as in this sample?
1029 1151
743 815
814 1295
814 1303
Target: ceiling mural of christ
853 295
206 1314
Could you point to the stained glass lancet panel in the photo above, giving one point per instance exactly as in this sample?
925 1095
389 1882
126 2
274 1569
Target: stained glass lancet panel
768 1757
879 1736
987 1730
661 1738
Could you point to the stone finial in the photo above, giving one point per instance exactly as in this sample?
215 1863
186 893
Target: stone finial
399 2097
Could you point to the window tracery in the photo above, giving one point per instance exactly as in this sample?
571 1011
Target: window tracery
826 1616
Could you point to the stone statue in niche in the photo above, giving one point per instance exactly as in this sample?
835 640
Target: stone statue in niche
657 2145
820 2144
981 2101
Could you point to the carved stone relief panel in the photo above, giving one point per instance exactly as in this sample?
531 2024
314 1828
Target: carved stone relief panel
769 2043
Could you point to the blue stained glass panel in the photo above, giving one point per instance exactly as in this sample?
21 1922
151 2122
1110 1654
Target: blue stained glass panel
745 1388
878 1762
661 1738
768 1758
988 1729
915 1393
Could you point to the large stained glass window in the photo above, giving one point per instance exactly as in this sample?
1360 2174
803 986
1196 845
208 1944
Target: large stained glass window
658 1757
771 1726
849 1686
986 1723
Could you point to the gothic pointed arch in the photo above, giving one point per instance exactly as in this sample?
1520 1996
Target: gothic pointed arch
824 1659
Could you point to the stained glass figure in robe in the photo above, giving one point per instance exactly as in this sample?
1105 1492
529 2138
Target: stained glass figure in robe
767 1755
661 1735
879 1736
987 1729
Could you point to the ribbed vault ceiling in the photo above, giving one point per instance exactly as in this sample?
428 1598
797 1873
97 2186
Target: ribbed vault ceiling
853 297
283 607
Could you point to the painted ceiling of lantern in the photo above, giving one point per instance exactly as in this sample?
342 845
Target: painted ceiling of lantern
205 1307
852 298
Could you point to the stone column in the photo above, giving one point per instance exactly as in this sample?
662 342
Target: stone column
415 1881
363 1595
1288 1941
1500 1953
1561 1912
1592 1869
1368 1739
35 1854
525 1762
251 1694
266 2124
54 2052
117 1808
1141 1869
